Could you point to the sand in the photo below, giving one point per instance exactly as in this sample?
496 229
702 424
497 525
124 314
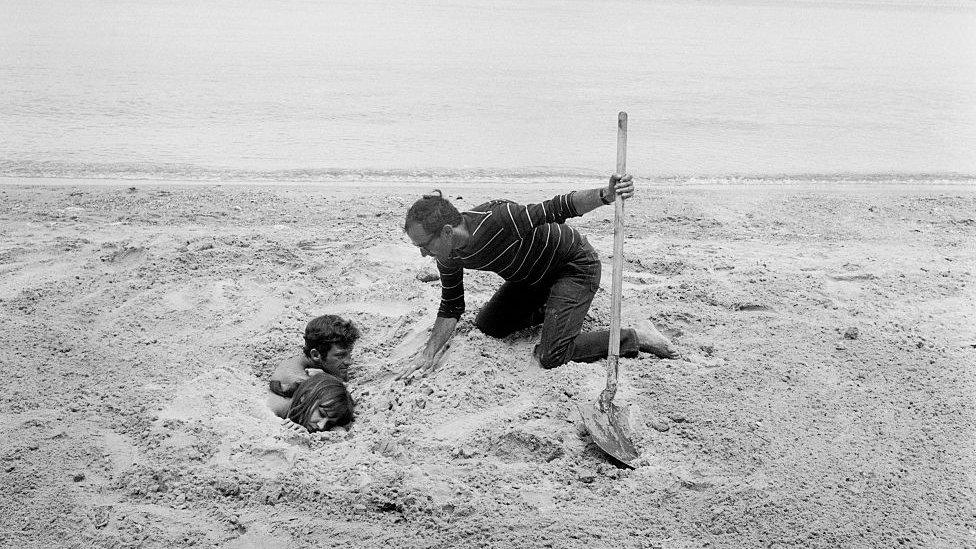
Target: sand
824 397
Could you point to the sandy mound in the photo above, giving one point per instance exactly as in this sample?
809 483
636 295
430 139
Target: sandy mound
824 397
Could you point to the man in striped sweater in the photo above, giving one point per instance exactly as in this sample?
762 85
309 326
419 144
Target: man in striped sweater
551 274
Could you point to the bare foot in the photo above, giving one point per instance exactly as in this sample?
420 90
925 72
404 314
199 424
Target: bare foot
651 340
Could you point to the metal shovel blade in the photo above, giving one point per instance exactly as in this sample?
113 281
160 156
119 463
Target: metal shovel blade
610 430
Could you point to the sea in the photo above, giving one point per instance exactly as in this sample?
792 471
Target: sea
320 90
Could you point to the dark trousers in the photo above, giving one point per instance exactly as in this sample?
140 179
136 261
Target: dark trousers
560 303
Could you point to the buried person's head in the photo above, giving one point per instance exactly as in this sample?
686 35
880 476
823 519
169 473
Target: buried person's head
329 340
430 225
320 403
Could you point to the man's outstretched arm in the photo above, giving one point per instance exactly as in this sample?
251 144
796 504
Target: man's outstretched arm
588 200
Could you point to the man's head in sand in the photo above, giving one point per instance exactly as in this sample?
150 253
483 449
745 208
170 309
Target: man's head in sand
329 340
430 225
320 403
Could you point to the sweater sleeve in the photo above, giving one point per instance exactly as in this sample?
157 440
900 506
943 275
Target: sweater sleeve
521 219
452 290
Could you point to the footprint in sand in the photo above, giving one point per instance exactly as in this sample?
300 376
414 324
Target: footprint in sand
638 280
124 254
854 276
751 307
518 445
394 254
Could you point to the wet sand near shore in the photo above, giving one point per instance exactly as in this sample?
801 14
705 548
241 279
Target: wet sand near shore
824 397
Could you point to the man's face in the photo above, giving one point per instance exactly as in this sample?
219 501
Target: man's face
435 245
335 362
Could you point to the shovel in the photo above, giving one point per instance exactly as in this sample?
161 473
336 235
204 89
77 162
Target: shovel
609 423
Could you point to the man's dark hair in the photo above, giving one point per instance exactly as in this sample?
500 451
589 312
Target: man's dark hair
432 212
327 330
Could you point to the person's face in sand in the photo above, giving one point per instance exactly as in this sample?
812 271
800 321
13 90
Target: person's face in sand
320 403
335 362
438 245
327 413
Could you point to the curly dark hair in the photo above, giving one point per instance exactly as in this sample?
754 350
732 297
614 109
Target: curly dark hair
327 330
432 212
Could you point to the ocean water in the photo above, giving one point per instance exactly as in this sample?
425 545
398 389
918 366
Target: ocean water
318 89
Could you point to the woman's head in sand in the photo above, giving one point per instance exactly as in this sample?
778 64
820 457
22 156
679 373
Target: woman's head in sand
320 403
329 340
429 224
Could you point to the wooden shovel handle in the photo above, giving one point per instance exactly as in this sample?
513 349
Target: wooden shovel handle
618 239
618 264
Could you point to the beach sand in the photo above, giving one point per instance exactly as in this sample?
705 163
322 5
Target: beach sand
824 397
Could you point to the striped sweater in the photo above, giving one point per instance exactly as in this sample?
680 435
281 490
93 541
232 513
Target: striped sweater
521 243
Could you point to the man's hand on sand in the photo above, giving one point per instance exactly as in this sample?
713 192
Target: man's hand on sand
420 367
423 364
621 185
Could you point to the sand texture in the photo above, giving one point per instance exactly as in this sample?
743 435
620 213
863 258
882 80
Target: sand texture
824 397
